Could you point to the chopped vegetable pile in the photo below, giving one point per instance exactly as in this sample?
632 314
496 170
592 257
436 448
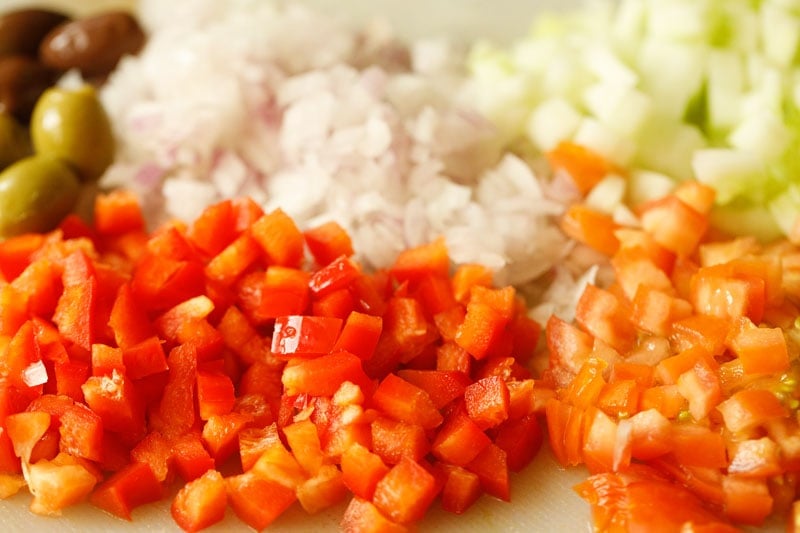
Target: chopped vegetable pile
238 344
670 89
678 382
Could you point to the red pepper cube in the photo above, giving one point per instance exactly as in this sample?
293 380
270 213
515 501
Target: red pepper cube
521 439
189 457
304 442
487 401
322 491
361 470
450 357
214 229
482 328
221 434
362 515
339 304
404 401
360 335
161 282
415 263
16 253
114 397
106 359
491 466
196 308
40 286
322 376
69 376
176 413
15 310
145 358
241 337
392 440
442 386
281 241
229 264
305 335
405 492
254 441
127 489
80 428
215 394
280 291
128 319
461 489
25 430
761 350
201 502
435 293
328 242
338 274
459 440
75 313
117 212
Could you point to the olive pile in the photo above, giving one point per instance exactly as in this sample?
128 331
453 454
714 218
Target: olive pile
52 139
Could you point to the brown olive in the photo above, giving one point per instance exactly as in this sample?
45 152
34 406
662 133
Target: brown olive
22 30
94 45
22 81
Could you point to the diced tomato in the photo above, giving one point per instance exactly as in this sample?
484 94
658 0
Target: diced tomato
749 408
674 224
591 227
640 497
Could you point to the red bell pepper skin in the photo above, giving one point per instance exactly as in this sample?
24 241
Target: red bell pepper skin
360 335
127 489
305 335
280 239
328 242
362 470
404 401
405 492
176 412
256 501
321 376
201 502
189 457
338 274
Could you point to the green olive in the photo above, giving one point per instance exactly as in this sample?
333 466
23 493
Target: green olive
36 193
71 124
14 141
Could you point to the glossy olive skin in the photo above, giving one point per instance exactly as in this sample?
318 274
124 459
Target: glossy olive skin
36 193
14 141
71 124
22 81
94 45
22 30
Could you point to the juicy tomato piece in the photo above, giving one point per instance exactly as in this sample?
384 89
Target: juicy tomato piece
591 227
636 499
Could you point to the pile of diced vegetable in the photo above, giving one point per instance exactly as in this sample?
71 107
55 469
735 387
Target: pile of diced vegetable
245 360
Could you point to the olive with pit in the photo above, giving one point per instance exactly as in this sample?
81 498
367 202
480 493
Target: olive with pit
14 141
36 193
94 45
71 124
22 82
22 30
